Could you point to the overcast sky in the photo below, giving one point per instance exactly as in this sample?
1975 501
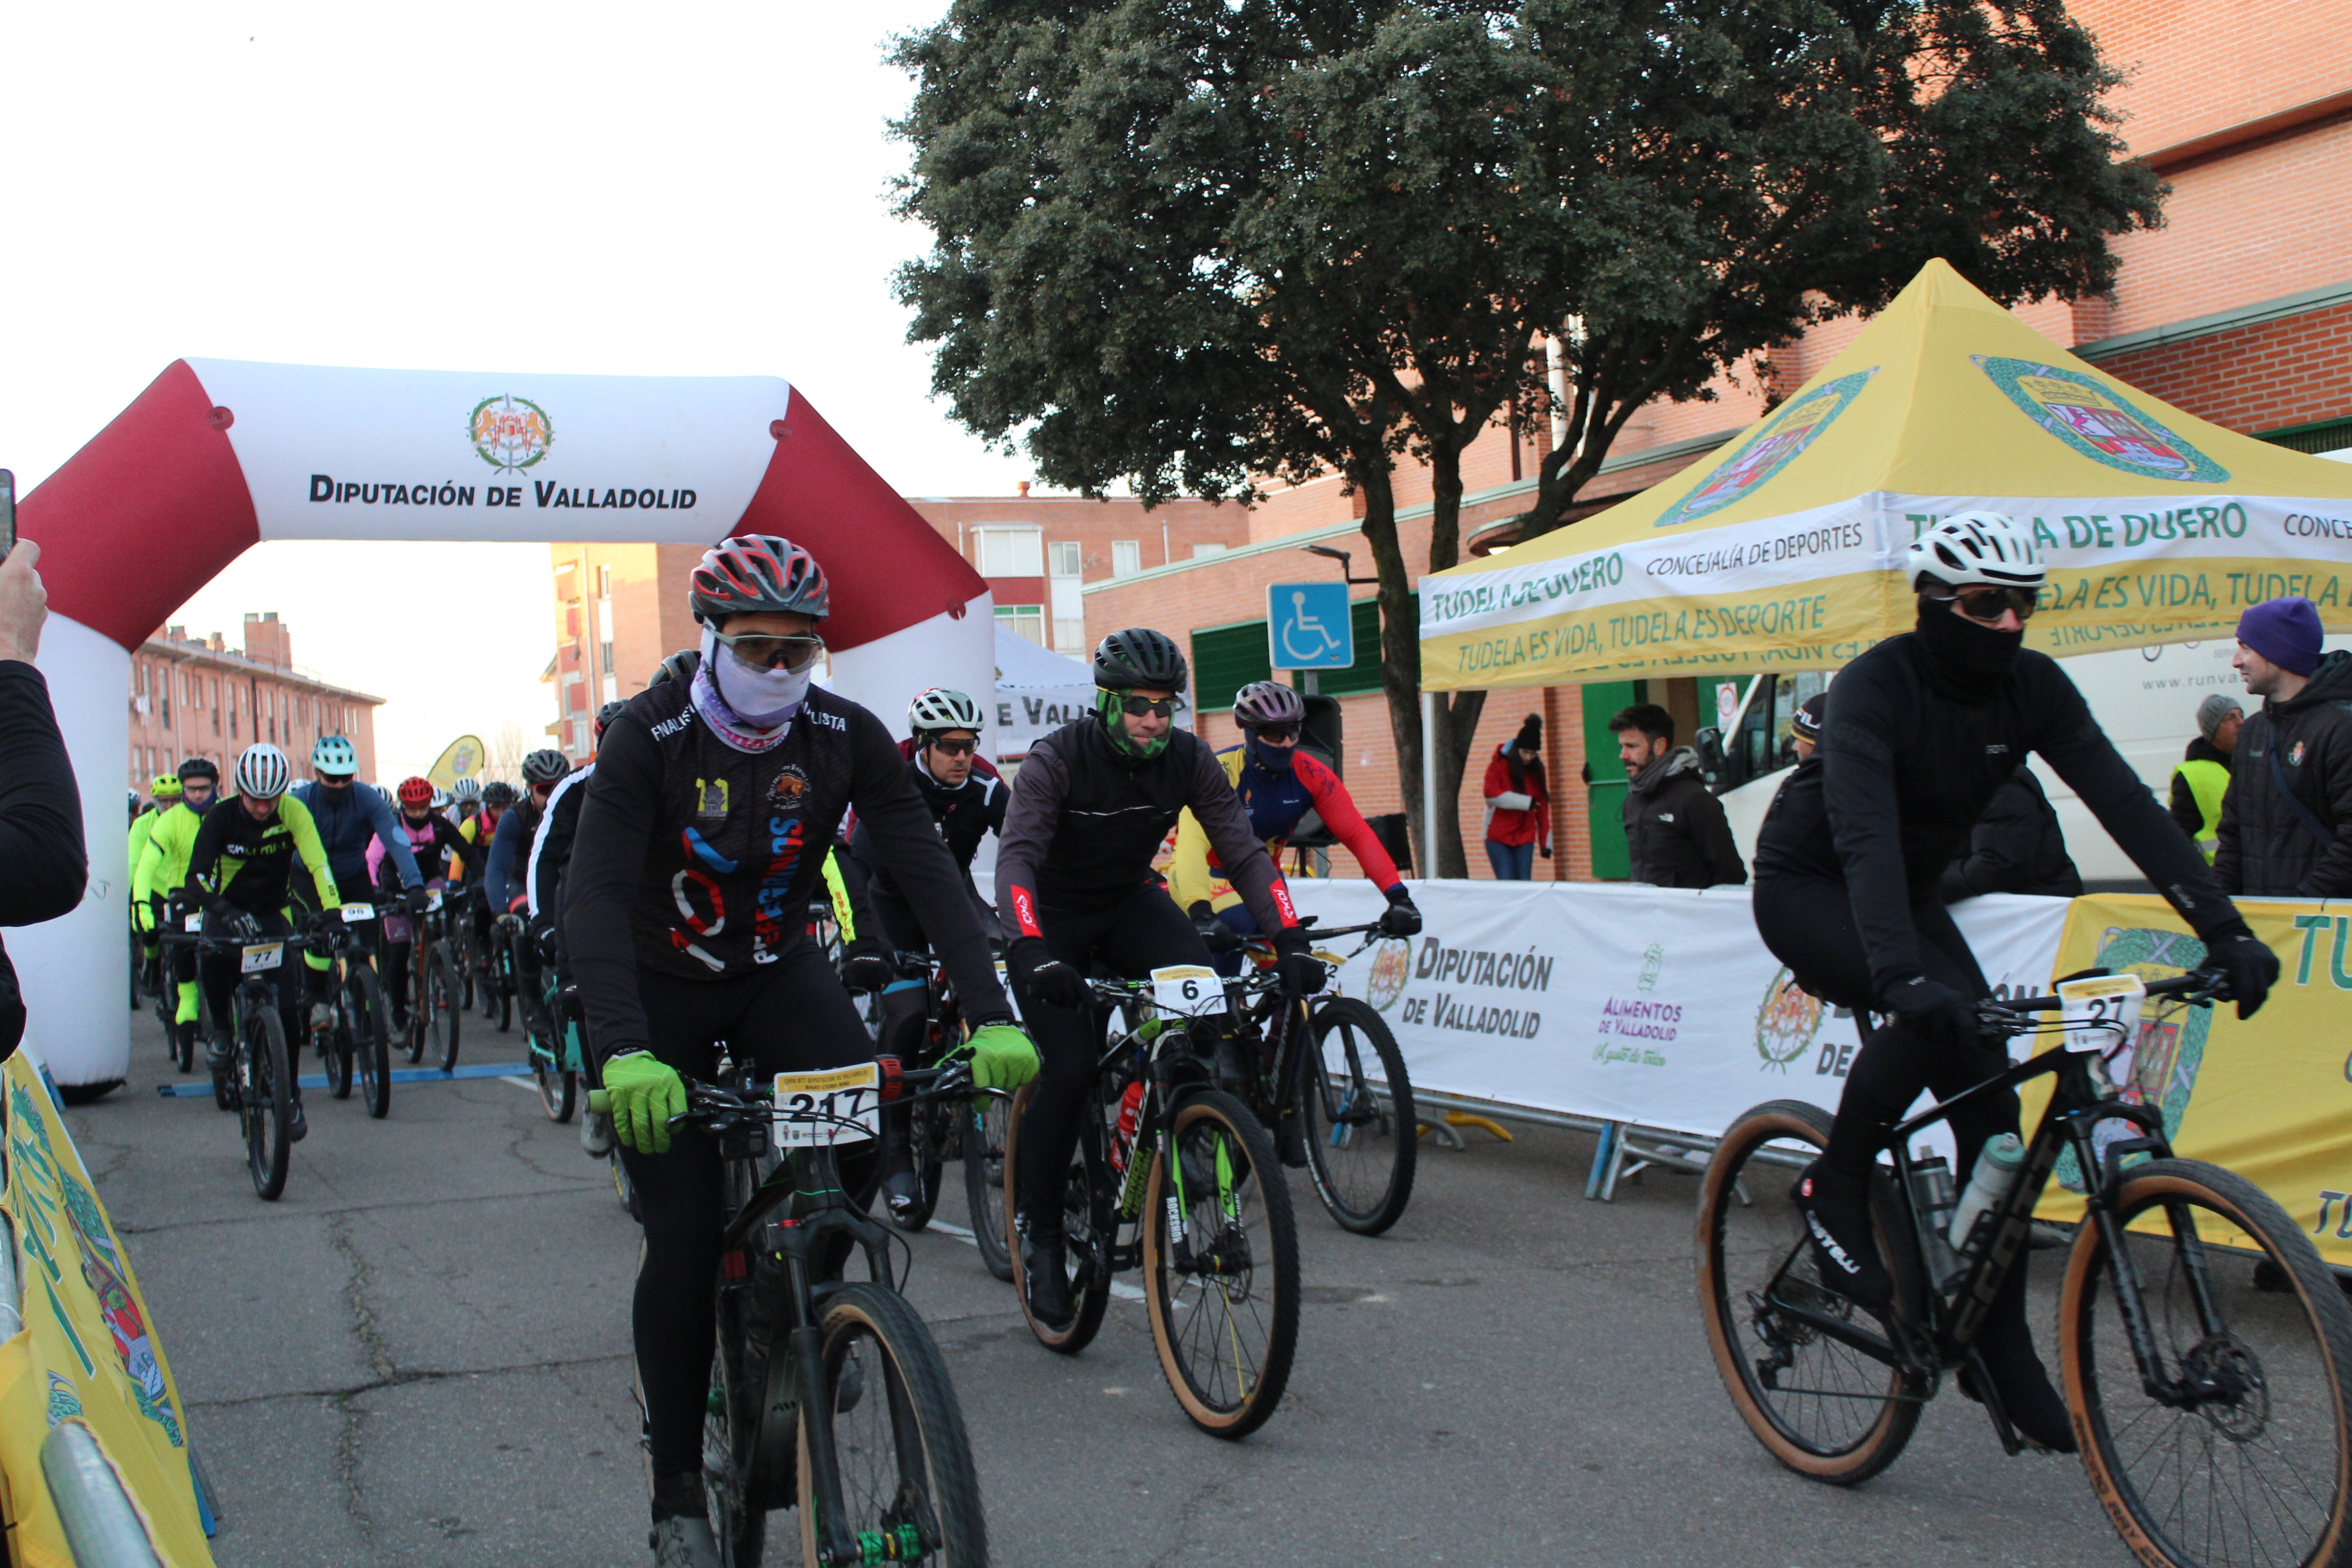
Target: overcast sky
645 190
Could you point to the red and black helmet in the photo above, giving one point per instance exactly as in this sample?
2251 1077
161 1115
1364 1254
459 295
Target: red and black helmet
415 792
757 572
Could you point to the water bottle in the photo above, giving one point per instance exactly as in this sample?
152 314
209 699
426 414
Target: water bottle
1122 1141
1932 1195
1989 1184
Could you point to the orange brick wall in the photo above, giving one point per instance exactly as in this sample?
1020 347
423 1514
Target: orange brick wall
2264 377
2194 67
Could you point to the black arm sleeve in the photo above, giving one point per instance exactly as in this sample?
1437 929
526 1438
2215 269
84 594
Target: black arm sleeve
44 865
1864 725
893 818
608 861
1030 819
1240 851
1718 851
2331 875
2000 847
549 857
2103 782
203 855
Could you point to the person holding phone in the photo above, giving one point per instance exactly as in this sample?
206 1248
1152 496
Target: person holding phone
44 864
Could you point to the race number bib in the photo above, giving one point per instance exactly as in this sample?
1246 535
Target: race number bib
842 1106
354 913
432 900
1188 990
2102 1011
196 921
263 956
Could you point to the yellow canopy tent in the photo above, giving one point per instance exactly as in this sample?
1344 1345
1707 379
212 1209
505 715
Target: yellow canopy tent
2156 527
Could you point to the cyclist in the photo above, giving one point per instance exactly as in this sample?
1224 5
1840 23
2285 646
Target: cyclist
163 867
442 800
432 839
239 871
467 795
713 803
165 795
503 882
1278 785
1919 734
966 800
543 882
351 815
1091 805
468 869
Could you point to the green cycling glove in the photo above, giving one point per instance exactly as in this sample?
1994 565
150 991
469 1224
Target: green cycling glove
1001 1057
644 1092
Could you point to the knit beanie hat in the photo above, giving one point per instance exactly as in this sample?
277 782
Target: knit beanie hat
2285 631
1530 735
1805 723
2214 711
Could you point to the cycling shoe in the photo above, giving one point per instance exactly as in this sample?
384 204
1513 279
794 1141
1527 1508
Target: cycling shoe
684 1540
1044 1270
298 1127
904 1195
1836 1211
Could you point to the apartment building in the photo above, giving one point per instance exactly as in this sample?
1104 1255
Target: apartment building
197 697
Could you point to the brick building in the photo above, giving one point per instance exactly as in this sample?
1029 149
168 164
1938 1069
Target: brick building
621 608
194 696
2238 310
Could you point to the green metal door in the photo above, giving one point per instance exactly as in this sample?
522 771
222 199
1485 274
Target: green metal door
1604 797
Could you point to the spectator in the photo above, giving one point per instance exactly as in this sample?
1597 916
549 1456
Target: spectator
1805 726
2202 777
1518 805
2016 846
43 863
1674 828
2286 821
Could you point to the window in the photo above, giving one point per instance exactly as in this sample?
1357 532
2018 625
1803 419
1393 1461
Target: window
1125 557
604 582
1201 550
1010 553
1029 620
1069 558
605 653
612 688
1069 636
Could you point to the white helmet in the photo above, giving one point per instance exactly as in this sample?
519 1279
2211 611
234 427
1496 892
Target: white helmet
440 800
1974 549
467 789
941 708
263 772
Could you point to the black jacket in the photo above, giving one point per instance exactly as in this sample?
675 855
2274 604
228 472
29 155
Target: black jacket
2183 805
1906 770
44 865
2015 847
1676 832
2265 846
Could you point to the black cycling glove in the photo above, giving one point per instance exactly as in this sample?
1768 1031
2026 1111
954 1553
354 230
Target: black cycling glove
1050 980
417 899
865 965
1399 919
1302 973
1933 1011
2251 968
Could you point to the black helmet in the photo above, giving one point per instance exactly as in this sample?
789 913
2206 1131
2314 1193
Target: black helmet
545 766
679 666
499 793
199 768
606 714
1140 657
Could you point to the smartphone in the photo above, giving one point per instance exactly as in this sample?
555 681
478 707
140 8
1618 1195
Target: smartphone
7 513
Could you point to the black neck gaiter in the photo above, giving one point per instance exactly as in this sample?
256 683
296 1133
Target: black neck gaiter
1965 660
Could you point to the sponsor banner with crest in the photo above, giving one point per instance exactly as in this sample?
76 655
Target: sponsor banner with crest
2269 1098
1655 1005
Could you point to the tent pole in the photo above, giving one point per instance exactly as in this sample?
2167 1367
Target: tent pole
1429 784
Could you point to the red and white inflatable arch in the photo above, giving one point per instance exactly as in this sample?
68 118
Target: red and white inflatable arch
219 455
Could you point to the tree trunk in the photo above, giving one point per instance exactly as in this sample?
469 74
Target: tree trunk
1399 654
1458 717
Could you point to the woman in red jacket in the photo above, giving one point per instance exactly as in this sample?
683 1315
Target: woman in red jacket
1518 805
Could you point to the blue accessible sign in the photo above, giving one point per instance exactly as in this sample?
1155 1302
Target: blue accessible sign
1307 627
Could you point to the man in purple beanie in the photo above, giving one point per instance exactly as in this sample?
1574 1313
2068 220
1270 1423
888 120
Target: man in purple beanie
2286 821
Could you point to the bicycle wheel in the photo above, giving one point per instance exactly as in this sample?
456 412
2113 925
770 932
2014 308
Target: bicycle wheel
558 1087
336 1047
371 1036
929 1125
420 1001
1224 1299
1354 1111
983 1179
1086 1234
1819 1405
909 1490
2256 1466
739 1519
443 1010
265 1099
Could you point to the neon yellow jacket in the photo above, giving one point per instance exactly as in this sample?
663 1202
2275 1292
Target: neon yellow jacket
162 864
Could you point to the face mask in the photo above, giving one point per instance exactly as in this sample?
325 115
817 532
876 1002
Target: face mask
200 807
1965 658
762 698
1273 759
1108 708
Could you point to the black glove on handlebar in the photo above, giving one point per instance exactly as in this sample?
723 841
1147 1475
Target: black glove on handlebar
1933 1011
1302 973
865 965
1399 919
417 899
2251 968
1049 979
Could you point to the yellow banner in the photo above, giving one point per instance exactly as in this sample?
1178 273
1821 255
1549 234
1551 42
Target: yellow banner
2271 1098
463 759
87 1352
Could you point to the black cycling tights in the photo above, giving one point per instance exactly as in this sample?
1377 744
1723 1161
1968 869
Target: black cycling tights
1808 923
791 1015
1143 932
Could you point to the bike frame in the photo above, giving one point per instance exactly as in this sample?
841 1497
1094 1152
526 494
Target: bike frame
1258 999
1169 1075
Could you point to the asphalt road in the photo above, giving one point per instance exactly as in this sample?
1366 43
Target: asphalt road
420 1356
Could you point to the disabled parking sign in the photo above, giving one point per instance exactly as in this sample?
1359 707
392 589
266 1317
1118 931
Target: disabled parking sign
1307 627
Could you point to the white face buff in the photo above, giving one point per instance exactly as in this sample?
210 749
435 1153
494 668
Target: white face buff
763 699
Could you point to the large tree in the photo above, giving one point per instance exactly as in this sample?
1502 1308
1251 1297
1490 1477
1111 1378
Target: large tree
1209 245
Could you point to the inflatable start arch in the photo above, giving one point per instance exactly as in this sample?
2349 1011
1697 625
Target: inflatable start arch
219 455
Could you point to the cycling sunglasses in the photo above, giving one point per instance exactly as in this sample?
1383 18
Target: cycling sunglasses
1988 605
1136 707
957 748
764 652
1279 734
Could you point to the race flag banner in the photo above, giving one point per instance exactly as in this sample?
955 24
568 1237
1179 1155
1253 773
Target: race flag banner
462 759
2269 1098
1653 1006
83 1349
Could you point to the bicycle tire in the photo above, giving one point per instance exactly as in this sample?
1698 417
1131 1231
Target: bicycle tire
911 1392
559 1089
738 1522
420 1000
371 1036
1086 1234
929 1128
501 1003
1391 1136
1259 1372
1874 1414
448 1009
336 1047
2263 1341
265 1100
984 1181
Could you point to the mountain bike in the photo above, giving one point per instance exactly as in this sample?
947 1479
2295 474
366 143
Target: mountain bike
827 1396
1331 1082
555 1033
179 1038
937 1126
259 1082
436 998
1219 1253
355 1038
497 986
2212 1419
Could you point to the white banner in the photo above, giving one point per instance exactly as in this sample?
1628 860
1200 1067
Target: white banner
1654 1005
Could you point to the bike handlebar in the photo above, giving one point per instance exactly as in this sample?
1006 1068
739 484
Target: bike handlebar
709 1102
2200 987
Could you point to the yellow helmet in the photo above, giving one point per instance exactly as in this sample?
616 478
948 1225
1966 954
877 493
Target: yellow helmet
165 787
